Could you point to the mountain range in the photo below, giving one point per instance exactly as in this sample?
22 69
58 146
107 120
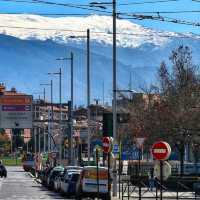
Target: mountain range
30 45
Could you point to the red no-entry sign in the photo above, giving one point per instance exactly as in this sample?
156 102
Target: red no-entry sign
106 144
161 150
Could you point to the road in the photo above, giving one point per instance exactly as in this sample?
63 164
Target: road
19 185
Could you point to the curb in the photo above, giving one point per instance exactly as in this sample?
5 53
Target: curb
35 179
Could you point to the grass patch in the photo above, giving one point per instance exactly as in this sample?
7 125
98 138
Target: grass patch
11 161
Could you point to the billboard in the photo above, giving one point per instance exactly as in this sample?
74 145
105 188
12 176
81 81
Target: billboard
16 111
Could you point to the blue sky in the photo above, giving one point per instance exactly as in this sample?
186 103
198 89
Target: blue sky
179 5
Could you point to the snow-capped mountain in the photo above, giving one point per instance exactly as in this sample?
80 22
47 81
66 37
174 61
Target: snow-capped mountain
30 45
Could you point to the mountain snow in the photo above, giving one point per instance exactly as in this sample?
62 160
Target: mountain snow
34 42
37 27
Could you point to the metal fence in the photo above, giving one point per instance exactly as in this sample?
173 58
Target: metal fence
136 184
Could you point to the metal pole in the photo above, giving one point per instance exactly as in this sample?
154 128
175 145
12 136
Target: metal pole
140 189
88 90
97 165
60 88
161 179
103 93
72 105
114 96
109 182
11 143
51 126
44 148
35 138
49 131
35 143
39 139
44 93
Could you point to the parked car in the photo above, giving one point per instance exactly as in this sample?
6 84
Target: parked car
56 171
3 171
45 174
89 186
71 182
57 182
28 162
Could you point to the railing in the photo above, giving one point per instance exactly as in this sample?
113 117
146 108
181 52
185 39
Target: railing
140 190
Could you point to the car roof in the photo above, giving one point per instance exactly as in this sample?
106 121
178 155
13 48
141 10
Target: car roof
73 167
94 167
74 172
58 168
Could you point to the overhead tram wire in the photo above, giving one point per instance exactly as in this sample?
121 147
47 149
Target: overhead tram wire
158 17
147 2
83 7
166 12
89 5
48 14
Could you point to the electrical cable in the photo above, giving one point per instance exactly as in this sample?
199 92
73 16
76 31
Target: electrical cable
147 2
159 18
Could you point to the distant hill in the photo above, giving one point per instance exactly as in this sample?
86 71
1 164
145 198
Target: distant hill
26 55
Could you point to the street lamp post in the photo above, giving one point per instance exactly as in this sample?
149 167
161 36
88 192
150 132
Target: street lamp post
114 103
60 108
51 119
71 58
88 90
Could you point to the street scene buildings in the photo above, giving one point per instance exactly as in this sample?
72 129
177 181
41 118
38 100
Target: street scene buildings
99 99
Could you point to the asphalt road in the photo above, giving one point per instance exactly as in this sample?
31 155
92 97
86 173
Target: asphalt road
19 185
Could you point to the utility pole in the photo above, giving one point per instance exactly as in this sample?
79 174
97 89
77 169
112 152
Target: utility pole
71 151
35 139
51 126
44 93
88 91
103 96
114 96
60 109
72 106
39 139
50 116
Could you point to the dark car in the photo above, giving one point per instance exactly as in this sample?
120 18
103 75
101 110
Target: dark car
56 171
45 174
3 171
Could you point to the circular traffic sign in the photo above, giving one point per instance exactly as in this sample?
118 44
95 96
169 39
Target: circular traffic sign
161 150
106 144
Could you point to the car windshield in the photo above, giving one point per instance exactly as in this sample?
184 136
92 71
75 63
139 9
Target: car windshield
55 173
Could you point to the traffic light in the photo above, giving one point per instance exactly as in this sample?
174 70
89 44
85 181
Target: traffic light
108 122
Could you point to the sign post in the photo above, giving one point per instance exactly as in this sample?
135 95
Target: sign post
16 111
107 148
140 142
106 145
161 151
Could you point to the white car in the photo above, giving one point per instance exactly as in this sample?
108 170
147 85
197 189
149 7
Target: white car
70 182
89 186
